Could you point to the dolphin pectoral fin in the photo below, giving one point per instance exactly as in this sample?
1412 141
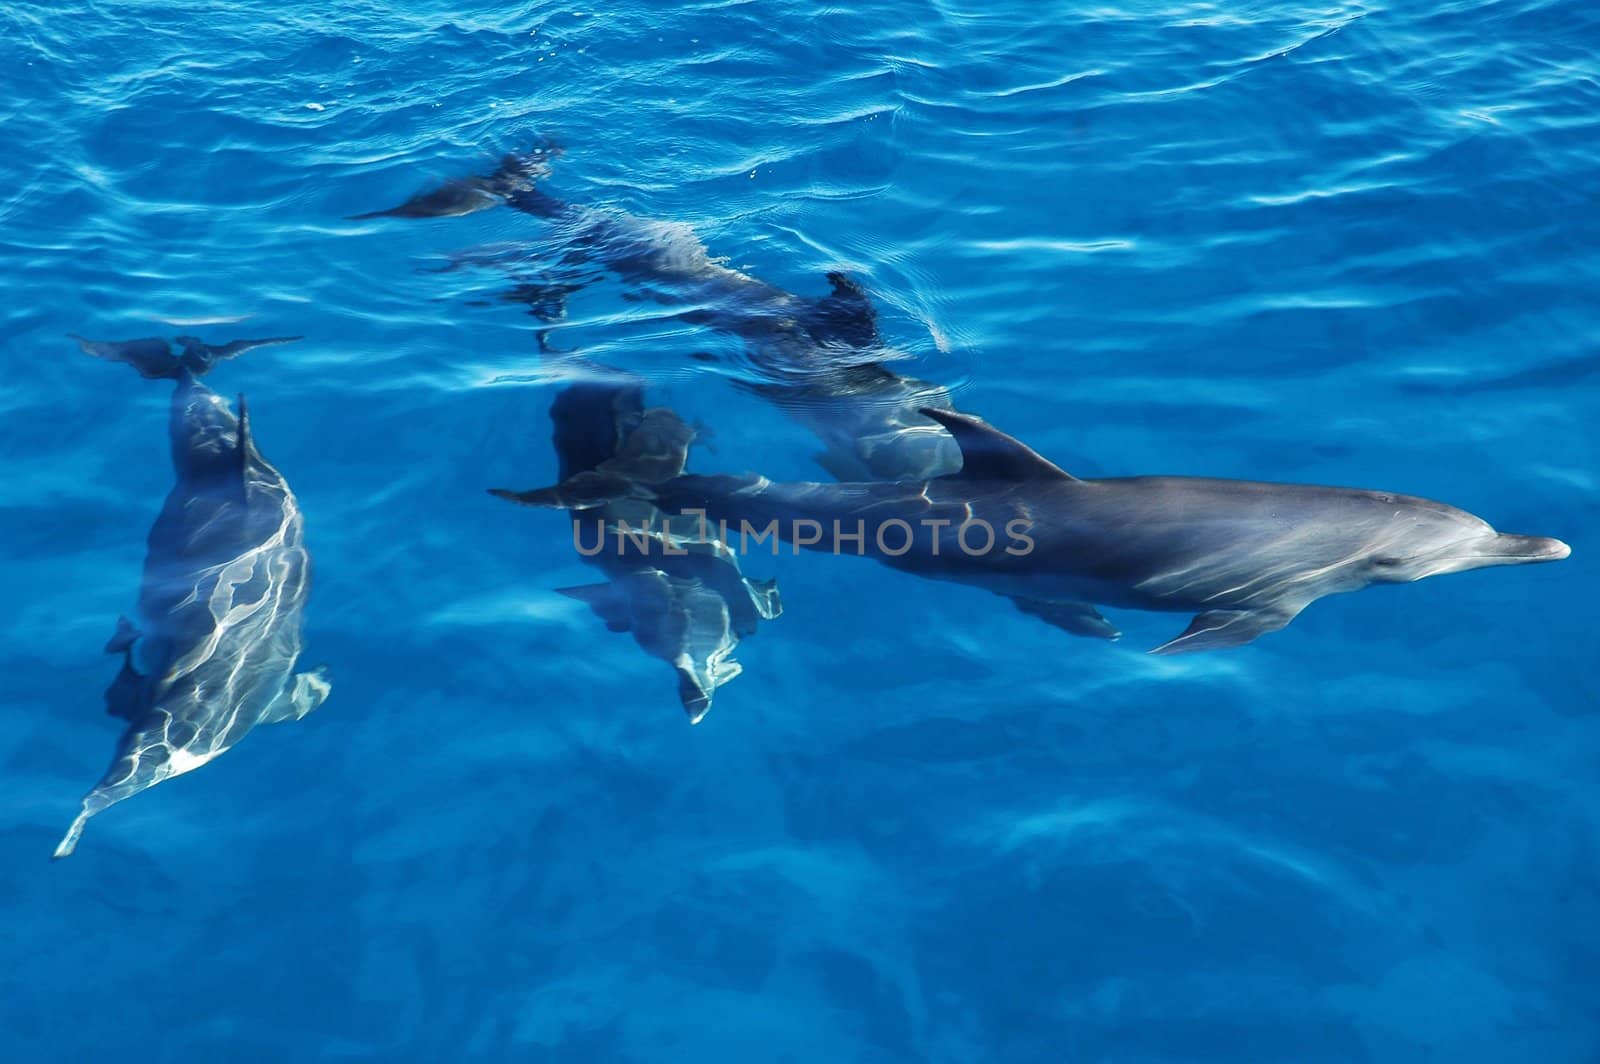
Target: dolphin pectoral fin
764 594
69 841
1215 629
698 682
695 694
1079 618
305 692
310 690
606 601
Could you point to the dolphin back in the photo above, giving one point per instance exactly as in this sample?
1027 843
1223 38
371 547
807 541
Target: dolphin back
225 582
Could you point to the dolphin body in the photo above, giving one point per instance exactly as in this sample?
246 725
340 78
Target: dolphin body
225 581
681 595
1244 557
820 360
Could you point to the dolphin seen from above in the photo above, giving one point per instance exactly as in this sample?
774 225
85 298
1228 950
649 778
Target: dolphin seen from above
682 596
1244 557
819 359
225 581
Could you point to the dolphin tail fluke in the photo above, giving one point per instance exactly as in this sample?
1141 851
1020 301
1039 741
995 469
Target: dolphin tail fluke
69 841
152 356
198 356
155 358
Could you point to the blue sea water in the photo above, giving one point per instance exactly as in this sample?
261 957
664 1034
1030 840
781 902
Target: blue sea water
1325 242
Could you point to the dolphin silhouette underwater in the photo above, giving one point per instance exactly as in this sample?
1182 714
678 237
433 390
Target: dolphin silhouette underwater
225 582
1244 557
821 360
681 596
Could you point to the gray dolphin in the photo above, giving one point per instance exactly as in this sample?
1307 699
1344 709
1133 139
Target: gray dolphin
225 581
821 360
681 595
1244 557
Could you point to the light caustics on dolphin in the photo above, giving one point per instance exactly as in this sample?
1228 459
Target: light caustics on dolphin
225 582
1244 557
680 594
820 360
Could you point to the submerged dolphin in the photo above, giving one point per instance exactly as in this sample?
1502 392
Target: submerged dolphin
1244 557
820 360
225 581
682 596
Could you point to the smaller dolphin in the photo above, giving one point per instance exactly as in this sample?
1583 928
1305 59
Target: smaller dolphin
681 595
1244 557
225 581
819 359
515 175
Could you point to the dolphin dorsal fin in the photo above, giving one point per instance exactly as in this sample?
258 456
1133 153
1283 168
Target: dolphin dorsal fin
242 448
244 424
989 454
844 316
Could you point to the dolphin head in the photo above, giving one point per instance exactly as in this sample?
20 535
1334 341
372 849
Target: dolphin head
1429 539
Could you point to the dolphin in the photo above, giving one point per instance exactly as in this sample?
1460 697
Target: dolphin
821 360
1244 557
468 195
681 595
225 582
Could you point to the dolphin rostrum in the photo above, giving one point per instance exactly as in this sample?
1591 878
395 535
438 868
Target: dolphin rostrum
225 581
1244 557
680 594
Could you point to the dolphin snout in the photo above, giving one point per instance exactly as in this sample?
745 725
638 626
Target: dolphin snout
1513 549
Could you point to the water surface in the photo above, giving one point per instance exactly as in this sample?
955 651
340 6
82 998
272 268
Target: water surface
1320 242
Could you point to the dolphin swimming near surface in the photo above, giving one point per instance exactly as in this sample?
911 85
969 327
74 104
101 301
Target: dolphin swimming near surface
821 360
225 582
682 596
1244 557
